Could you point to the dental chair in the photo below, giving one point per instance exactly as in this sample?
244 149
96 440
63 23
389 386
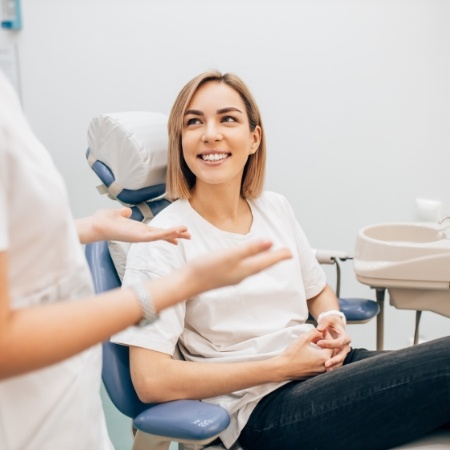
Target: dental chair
128 152
188 422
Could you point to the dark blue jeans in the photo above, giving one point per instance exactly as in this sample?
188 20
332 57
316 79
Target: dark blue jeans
377 400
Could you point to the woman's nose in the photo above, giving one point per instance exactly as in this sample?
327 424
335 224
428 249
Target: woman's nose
211 134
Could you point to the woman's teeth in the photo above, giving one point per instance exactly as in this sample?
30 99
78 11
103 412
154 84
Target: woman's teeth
214 156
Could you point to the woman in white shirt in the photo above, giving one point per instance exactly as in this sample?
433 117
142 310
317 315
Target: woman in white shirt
50 320
286 384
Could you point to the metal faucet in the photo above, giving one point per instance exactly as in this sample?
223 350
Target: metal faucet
442 219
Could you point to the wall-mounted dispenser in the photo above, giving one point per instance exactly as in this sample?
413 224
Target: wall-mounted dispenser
11 15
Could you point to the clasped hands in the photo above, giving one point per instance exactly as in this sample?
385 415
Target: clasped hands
319 350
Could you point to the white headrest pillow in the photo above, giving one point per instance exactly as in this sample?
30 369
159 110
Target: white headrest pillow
135 143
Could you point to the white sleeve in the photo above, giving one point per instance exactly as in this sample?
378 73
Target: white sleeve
149 261
313 275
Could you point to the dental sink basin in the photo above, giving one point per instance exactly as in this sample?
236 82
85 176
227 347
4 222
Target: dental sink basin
412 233
411 260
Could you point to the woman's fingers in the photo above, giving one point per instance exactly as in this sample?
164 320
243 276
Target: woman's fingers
115 224
337 360
170 235
334 343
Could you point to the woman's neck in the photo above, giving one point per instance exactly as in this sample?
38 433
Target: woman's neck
222 207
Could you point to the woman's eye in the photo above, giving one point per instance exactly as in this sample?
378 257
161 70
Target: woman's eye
229 119
193 121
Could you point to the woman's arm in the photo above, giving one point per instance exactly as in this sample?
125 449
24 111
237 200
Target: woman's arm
159 378
114 224
326 300
35 337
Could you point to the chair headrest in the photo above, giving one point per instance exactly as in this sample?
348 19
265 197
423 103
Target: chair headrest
128 151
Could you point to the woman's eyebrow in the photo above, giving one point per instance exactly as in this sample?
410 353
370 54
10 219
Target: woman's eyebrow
195 112
227 110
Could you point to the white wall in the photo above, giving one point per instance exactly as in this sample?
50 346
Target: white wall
355 97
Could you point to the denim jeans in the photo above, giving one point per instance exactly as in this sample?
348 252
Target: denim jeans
376 400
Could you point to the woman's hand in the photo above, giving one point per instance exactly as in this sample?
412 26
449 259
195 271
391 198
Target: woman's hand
335 338
231 266
114 224
303 359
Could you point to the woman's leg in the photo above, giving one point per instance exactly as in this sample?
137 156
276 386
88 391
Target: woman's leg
372 402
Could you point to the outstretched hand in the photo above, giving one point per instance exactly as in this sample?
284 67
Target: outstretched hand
115 224
231 266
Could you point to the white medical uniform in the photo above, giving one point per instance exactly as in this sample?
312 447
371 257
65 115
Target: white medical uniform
58 407
252 321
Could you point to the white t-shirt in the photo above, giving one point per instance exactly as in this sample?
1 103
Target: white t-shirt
58 407
252 321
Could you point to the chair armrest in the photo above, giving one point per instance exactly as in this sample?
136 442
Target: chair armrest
183 419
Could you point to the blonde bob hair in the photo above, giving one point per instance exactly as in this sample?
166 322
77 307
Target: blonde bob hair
180 179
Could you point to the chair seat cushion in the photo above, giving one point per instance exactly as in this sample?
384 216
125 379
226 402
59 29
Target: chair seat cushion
358 309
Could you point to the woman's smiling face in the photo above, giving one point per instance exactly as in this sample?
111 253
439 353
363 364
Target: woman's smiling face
216 136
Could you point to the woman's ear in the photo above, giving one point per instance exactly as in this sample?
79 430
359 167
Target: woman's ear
256 139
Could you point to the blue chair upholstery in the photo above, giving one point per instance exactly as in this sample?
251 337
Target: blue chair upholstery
183 421
358 310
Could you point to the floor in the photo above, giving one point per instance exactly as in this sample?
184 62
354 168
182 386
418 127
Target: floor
119 426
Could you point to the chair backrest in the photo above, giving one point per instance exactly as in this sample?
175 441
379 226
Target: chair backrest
128 152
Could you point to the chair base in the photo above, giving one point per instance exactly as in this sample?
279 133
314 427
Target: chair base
145 441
